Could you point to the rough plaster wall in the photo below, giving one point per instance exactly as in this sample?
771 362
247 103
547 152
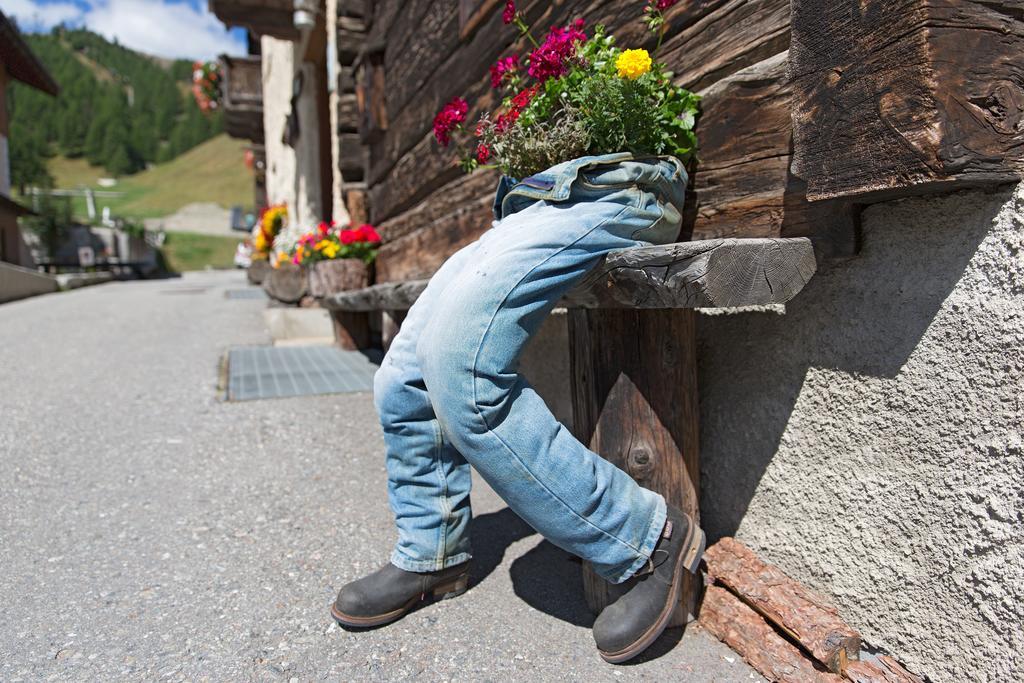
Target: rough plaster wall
869 440
278 66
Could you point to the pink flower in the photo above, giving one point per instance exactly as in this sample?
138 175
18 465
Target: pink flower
551 59
448 119
483 153
348 236
509 14
665 4
502 69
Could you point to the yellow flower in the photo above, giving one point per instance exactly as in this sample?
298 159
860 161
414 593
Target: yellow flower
331 250
319 246
633 64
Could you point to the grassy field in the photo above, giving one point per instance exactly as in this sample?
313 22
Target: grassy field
212 172
184 251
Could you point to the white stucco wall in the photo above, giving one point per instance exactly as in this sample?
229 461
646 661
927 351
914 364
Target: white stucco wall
293 172
869 440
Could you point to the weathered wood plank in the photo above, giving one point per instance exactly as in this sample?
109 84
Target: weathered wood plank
805 616
727 618
634 396
703 274
899 97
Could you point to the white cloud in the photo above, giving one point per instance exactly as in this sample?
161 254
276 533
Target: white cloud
152 26
32 15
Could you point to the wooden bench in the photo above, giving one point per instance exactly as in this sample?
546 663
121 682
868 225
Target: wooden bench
633 353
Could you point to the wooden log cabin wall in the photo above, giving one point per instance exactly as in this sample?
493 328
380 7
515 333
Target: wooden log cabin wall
419 54
852 95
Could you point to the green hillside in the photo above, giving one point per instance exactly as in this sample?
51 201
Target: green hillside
119 110
214 171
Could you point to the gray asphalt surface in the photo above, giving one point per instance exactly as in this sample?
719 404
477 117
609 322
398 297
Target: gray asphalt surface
151 531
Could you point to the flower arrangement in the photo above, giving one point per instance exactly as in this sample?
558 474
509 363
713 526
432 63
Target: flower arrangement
270 223
575 95
327 243
206 79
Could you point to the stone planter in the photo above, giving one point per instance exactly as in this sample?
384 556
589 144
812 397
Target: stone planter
328 277
286 283
258 271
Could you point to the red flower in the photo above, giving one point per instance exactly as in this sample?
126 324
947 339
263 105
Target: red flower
551 59
348 236
523 97
505 121
323 229
509 14
483 153
502 69
665 4
368 233
448 119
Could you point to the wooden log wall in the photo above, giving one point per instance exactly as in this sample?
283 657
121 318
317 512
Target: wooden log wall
419 54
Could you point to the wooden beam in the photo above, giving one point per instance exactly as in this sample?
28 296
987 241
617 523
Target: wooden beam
899 97
727 618
806 617
634 397
703 274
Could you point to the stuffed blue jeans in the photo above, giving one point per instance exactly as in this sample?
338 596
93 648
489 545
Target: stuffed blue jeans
450 396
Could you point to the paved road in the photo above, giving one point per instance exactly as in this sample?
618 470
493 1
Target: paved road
150 531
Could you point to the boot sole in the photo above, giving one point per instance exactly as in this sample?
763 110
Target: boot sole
450 589
689 559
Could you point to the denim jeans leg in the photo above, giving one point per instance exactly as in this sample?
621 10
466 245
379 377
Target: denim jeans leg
469 355
428 479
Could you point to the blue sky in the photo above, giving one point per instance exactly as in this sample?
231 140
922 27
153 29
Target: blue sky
166 28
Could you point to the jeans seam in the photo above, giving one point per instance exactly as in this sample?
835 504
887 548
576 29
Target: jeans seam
446 513
476 357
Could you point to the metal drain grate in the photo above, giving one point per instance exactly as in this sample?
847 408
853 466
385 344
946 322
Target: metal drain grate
254 293
280 372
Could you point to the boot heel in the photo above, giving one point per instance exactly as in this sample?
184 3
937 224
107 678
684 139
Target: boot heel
695 552
453 588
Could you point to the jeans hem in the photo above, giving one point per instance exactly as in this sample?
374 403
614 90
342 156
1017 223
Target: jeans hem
410 565
657 524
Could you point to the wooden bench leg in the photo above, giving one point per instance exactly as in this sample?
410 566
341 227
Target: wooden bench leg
634 375
351 330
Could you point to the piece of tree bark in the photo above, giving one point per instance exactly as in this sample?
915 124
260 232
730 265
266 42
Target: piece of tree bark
634 396
801 613
899 97
730 620
884 669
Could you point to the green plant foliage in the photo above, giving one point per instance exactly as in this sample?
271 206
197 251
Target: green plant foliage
120 109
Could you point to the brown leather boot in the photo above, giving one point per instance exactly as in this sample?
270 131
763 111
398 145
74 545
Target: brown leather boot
632 623
388 593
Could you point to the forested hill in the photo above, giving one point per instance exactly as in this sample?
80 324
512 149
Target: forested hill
117 108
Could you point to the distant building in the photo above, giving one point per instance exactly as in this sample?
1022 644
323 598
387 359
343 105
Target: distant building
16 63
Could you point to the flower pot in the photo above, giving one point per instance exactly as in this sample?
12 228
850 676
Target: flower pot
258 271
339 275
286 283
